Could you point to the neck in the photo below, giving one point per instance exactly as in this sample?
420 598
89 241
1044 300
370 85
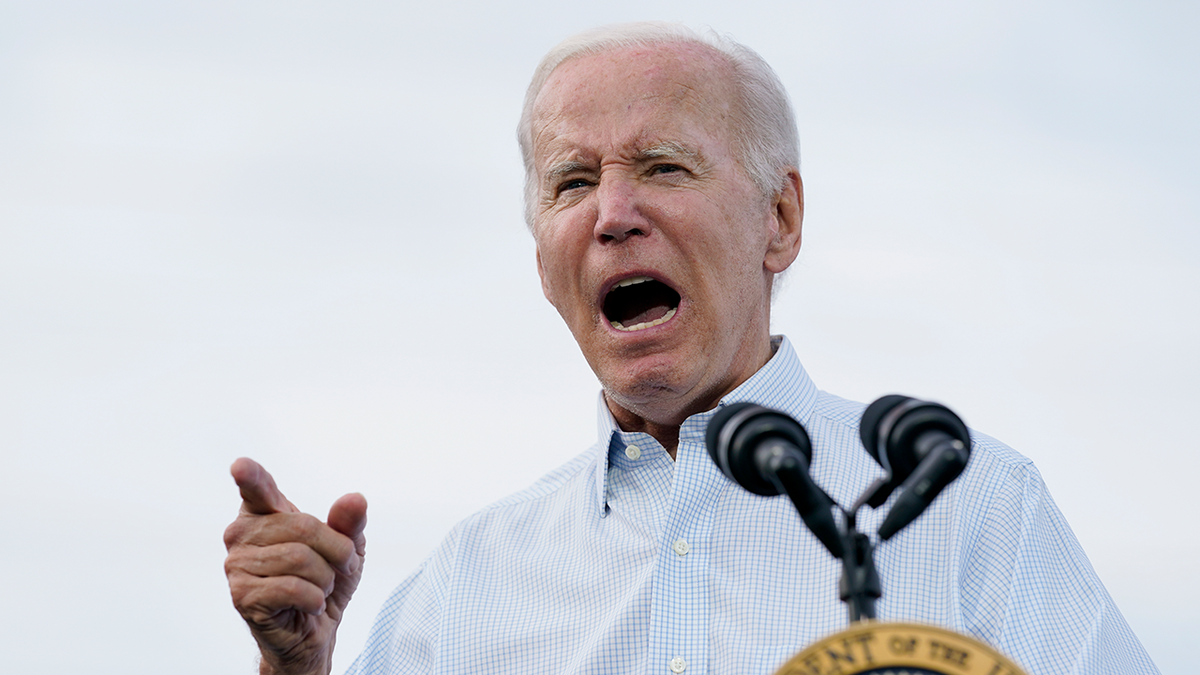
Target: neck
663 424
666 434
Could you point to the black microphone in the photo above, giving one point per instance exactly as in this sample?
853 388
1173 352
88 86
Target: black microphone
922 445
768 453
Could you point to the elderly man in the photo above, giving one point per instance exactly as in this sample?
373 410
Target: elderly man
663 194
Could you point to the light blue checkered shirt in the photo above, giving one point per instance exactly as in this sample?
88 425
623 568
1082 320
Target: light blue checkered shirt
624 561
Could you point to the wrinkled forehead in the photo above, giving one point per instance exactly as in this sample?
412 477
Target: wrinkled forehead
689 82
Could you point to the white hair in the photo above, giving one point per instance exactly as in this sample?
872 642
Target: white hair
765 141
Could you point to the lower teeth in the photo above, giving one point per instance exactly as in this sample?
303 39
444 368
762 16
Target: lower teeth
647 324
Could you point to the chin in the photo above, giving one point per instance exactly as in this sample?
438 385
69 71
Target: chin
650 389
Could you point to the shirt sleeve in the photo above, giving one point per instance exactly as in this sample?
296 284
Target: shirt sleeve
1028 588
404 638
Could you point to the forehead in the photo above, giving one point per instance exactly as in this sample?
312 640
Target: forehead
636 94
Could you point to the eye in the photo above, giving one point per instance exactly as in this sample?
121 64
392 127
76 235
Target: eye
665 168
573 184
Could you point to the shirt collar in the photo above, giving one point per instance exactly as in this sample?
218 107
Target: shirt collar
781 384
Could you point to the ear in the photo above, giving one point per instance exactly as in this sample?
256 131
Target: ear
542 275
787 212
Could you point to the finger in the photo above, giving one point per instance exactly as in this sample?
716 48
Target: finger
279 560
348 515
281 528
260 496
261 599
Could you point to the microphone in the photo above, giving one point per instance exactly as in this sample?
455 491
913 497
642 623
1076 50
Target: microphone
768 453
922 445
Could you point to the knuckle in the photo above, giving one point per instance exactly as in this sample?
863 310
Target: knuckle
325 578
241 589
294 555
307 526
238 561
297 587
233 534
301 594
231 567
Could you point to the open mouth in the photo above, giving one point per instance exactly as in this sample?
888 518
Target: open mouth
638 303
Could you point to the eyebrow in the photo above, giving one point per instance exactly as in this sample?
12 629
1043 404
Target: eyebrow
663 150
560 169
667 149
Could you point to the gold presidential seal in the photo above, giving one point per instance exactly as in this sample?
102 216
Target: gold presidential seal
873 648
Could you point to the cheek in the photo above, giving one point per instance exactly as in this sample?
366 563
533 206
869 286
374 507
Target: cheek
559 281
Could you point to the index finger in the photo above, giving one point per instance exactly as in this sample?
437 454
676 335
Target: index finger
260 496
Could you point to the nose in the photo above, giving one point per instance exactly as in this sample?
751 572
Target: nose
618 211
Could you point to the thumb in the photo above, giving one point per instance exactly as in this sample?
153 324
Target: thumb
348 515
260 496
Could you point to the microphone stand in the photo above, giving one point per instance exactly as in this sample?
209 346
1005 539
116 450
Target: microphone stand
859 586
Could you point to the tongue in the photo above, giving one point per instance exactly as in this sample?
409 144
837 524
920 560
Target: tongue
648 314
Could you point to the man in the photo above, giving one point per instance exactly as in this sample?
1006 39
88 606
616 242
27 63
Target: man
663 195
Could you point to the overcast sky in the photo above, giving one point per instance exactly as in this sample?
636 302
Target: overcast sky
292 230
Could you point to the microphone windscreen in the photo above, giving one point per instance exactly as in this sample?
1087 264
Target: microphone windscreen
715 425
868 428
735 435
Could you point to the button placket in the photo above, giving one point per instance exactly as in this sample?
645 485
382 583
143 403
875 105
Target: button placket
680 607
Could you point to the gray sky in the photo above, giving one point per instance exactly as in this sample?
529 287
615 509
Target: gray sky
292 230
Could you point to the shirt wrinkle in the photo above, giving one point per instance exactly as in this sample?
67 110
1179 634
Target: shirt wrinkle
698 574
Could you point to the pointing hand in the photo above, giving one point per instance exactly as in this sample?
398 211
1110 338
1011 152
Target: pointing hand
291 575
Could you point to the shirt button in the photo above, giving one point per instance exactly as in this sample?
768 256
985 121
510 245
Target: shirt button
680 547
678 665
633 452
